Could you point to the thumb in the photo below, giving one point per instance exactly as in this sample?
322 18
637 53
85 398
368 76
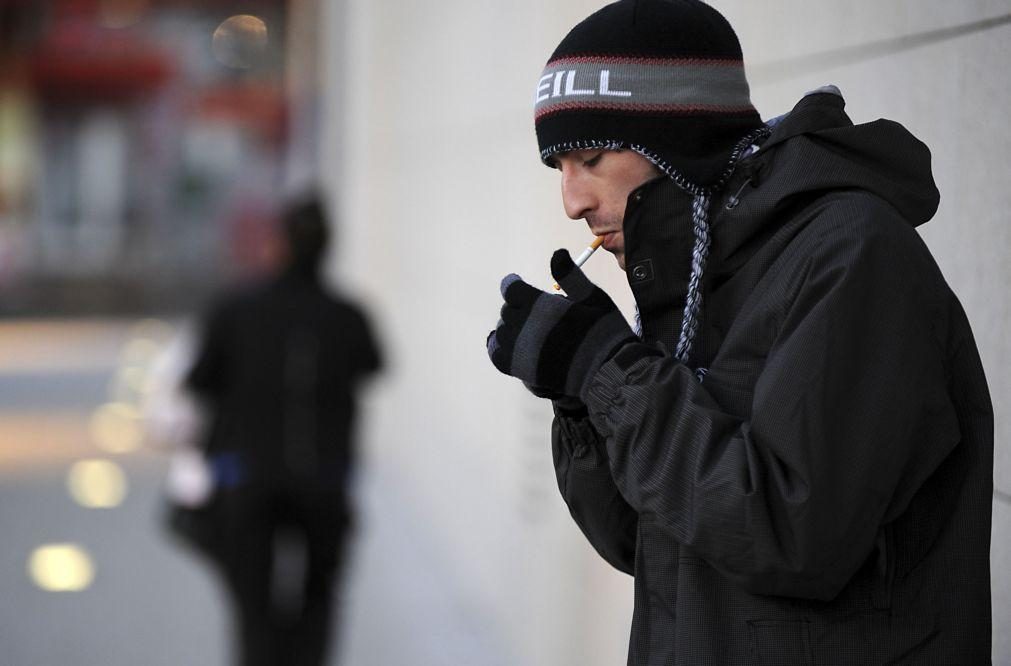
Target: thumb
569 276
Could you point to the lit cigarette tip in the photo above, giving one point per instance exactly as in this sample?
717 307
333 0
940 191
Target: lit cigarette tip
587 253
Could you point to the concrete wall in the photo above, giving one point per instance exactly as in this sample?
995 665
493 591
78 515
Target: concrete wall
430 158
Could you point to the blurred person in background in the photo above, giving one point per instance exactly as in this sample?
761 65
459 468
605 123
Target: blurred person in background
793 452
278 368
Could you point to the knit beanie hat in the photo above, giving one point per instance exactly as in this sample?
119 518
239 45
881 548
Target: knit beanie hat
664 78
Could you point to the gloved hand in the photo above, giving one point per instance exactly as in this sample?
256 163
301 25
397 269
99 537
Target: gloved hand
556 343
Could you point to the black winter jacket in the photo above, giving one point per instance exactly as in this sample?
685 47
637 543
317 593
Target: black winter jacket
823 494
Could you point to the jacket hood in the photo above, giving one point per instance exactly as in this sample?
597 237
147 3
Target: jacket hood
816 149
811 152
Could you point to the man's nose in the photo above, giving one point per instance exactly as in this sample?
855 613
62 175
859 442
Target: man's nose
577 196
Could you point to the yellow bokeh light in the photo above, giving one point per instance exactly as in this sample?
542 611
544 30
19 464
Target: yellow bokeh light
116 428
132 378
139 351
62 567
240 41
152 328
97 484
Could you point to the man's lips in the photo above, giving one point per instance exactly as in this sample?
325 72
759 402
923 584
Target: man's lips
611 239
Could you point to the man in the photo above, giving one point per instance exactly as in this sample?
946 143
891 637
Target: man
793 453
279 365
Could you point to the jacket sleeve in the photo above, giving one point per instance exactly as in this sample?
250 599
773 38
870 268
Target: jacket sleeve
584 478
849 415
368 354
206 376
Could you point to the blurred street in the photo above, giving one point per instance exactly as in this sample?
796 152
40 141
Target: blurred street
149 150
146 599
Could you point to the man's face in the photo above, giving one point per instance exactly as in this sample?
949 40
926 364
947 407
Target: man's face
595 187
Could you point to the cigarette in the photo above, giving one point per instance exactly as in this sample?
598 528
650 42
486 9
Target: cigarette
587 253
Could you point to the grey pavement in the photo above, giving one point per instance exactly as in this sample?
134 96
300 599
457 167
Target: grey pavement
151 601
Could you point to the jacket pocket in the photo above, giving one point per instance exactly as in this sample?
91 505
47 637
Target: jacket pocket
781 642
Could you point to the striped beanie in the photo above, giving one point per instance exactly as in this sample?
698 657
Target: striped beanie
664 75
664 78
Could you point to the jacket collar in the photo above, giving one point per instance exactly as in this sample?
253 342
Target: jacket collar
658 250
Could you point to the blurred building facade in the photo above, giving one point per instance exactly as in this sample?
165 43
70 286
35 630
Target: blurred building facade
143 149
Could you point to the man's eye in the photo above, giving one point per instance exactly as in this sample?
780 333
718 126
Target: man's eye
593 160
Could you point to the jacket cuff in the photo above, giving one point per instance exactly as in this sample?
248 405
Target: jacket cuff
632 353
602 392
570 408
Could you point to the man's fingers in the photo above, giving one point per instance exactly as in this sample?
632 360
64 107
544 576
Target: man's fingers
569 276
517 292
495 350
491 343
512 317
507 281
500 345
561 264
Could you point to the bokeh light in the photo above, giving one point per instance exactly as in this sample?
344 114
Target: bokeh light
133 377
139 351
61 568
153 329
240 41
116 427
97 484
